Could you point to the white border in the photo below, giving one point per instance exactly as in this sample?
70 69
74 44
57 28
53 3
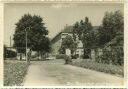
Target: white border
1 42
65 1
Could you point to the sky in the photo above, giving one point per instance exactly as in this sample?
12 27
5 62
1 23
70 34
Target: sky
55 16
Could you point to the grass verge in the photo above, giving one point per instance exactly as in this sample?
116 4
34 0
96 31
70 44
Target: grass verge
89 64
14 72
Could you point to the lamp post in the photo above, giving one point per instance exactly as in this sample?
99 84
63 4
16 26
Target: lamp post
26 43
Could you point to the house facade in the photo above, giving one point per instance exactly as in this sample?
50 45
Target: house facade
79 50
57 40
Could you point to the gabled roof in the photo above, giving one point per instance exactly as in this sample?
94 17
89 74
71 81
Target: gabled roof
117 41
69 29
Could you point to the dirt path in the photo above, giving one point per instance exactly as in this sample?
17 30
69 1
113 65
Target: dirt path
54 72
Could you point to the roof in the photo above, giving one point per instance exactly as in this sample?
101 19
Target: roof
69 29
117 41
56 38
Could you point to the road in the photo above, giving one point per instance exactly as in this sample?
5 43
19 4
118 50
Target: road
56 73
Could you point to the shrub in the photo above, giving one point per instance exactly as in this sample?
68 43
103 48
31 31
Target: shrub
10 54
14 72
74 56
67 59
113 56
60 56
107 68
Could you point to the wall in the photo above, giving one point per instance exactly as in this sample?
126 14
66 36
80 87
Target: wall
56 46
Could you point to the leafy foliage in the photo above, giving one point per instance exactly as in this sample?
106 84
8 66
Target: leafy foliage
69 43
83 30
14 72
111 38
36 33
109 33
61 50
113 55
89 64
112 25
9 53
5 51
60 56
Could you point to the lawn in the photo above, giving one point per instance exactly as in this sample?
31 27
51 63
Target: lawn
88 64
14 72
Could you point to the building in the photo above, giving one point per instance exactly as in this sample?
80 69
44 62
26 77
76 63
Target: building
57 40
79 50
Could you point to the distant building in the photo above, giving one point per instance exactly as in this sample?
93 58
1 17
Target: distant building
57 40
11 48
80 50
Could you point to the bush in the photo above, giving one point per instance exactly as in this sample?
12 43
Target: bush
112 69
74 56
85 56
14 72
113 56
10 54
67 59
60 56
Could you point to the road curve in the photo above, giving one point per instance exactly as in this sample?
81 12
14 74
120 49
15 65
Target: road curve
55 73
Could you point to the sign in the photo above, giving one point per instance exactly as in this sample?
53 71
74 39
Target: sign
68 52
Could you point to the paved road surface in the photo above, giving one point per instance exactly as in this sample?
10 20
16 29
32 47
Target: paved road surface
54 72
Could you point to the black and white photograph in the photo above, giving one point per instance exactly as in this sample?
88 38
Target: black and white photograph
63 44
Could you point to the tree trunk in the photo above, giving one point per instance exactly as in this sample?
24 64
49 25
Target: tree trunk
38 55
20 56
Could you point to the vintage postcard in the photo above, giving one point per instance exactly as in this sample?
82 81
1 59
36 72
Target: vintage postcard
64 43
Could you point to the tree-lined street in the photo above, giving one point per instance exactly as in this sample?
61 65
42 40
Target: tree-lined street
81 52
54 72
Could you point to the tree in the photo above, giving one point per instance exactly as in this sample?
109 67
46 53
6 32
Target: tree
36 33
111 38
45 46
76 31
87 33
61 50
83 30
5 51
87 36
112 25
68 43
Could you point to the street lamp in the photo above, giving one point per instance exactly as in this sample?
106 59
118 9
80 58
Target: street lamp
26 41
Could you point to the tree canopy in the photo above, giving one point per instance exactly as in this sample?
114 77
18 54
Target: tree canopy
68 43
112 25
36 34
83 30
